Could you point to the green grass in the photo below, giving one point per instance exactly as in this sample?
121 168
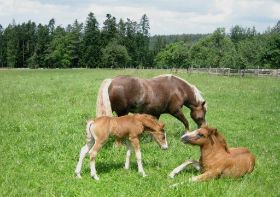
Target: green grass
42 121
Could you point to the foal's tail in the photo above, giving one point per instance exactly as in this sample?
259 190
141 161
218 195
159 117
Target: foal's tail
89 137
103 104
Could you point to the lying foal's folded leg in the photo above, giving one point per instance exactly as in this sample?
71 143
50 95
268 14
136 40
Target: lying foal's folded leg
183 166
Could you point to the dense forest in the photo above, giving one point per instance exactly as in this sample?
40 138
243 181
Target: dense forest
127 43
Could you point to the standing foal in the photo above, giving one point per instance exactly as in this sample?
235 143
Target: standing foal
130 126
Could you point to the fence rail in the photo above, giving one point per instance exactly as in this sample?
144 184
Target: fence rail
231 72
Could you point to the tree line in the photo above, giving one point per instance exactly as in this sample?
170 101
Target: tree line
127 43
116 44
240 48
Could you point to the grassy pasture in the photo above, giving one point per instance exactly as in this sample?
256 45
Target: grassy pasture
42 120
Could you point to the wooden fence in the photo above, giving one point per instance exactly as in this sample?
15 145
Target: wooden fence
230 72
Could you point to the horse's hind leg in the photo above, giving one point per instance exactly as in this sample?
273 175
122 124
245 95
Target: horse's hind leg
84 150
183 166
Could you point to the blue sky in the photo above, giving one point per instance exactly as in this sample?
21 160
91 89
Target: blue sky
165 16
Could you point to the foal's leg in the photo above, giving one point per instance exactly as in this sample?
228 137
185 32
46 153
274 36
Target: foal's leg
136 145
84 150
183 166
206 176
93 152
128 154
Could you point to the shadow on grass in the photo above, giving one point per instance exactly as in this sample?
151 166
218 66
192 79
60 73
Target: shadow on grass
106 167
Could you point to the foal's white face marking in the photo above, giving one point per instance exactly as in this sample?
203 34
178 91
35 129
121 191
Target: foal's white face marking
165 145
190 134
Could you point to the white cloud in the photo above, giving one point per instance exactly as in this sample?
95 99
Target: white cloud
166 17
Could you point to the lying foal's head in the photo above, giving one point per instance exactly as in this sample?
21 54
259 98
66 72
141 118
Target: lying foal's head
203 136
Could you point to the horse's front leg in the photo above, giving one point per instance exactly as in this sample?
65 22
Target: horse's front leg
128 154
180 116
183 166
136 145
93 152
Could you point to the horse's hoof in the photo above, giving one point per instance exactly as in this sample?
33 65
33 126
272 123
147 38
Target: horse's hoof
78 176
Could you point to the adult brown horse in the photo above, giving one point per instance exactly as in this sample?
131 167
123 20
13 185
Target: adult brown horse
156 96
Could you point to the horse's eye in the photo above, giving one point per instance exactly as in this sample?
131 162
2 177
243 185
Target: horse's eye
200 135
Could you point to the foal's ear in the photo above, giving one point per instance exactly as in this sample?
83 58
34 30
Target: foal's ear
212 131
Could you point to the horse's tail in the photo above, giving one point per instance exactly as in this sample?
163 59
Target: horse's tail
149 121
103 104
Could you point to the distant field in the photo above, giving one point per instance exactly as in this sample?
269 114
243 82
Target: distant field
42 120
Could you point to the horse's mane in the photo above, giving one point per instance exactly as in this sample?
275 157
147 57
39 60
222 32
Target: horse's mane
197 94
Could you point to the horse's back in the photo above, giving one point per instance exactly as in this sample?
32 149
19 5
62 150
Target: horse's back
152 96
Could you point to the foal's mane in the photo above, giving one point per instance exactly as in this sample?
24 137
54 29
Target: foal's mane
219 138
149 121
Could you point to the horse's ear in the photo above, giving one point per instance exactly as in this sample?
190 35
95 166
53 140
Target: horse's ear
192 107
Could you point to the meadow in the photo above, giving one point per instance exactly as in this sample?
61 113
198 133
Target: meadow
42 128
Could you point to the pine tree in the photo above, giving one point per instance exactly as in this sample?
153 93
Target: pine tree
12 45
75 38
109 30
3 62
91 43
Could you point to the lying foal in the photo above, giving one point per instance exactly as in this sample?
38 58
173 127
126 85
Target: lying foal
216 160
130 126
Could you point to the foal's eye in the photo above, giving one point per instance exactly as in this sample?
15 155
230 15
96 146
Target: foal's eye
200 135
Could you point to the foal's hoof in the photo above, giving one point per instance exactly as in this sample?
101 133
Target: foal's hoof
78 176
193 179
144 175
95 177
171 175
